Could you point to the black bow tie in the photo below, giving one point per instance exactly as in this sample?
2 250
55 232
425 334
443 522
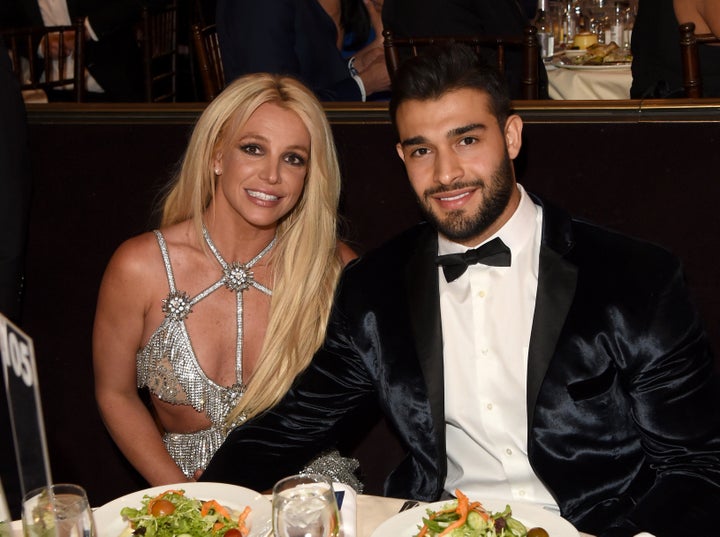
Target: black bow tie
493 253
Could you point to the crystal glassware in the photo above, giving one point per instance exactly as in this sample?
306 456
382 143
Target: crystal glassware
59 510
304 506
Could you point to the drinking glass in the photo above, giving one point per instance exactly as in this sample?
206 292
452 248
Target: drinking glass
304 506
60 510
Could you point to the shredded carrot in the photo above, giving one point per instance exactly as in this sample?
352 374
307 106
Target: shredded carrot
423 531
462 510
241 521
480 510
212 504
161 496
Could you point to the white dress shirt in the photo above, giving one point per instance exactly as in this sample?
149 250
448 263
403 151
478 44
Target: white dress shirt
487 316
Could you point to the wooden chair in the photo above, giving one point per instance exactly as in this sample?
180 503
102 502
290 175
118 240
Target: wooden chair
207 50
397 48
158 40
33 63
692 75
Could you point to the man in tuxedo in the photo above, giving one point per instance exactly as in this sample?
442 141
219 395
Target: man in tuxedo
557 363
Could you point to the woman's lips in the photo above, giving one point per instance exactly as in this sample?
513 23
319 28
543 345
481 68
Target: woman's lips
263 196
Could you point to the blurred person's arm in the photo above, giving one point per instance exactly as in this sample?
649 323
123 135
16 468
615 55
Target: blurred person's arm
704 13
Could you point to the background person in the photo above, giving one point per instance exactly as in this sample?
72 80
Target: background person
15 190
440 18
302 38
567 367
656 66
219 309
112 55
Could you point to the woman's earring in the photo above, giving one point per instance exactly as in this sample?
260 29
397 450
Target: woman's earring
218 171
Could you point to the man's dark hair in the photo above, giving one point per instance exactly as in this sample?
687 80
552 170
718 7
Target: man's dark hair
439 69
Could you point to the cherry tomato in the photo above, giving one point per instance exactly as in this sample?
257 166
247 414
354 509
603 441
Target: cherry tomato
162 508
233 532
537 532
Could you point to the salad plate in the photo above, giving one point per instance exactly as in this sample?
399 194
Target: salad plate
408 523
109 523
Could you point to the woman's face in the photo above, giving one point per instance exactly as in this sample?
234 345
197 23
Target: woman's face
262 170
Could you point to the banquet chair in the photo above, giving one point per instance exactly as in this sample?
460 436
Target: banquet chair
689 53
158 40
207 50
34 66
398 48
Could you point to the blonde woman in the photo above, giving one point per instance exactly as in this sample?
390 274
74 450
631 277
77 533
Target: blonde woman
218 310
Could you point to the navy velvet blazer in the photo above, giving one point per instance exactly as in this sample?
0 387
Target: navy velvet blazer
292 37
623 399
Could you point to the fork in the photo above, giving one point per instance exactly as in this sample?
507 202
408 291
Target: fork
409 504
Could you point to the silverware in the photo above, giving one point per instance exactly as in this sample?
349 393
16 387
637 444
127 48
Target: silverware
408 505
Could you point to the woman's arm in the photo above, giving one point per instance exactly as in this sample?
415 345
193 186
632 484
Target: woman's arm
122 303
704 13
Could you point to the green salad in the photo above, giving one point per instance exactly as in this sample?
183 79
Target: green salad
172 514
463 518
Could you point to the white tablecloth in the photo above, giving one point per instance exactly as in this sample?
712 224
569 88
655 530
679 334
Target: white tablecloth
589 84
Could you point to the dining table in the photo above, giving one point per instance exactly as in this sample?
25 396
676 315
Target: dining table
589 82
370 511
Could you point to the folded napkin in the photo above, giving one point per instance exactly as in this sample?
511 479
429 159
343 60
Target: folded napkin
347 502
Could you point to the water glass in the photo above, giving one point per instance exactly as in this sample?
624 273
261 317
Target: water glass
304 506
59 510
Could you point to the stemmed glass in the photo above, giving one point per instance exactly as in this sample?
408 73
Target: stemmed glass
304 506
59 510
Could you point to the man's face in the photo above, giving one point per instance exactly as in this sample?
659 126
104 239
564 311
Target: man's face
458 160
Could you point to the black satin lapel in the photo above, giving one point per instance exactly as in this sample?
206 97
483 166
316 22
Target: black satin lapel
556 288
424 304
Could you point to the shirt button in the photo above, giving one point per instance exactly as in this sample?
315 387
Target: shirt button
522 493
489 406
484 351
508 451
481 294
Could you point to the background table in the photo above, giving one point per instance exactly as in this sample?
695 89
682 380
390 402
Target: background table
587 84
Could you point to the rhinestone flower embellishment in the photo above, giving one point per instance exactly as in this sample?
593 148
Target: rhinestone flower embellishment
238 277
177 306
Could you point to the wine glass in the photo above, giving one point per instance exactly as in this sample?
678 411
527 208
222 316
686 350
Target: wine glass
304 506
60 510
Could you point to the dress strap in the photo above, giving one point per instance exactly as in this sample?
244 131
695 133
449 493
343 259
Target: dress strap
166 259
178 304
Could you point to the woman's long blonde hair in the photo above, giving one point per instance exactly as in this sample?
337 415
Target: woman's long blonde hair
305 262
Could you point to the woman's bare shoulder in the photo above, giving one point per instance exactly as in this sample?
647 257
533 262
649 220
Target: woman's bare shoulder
142 252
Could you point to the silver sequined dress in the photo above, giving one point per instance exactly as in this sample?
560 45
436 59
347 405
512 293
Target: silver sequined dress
168 367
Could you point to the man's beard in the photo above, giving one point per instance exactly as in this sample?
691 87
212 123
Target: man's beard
459 226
